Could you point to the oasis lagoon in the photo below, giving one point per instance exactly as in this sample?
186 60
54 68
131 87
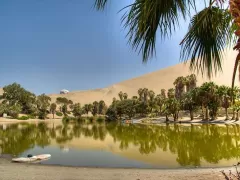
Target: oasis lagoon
124 145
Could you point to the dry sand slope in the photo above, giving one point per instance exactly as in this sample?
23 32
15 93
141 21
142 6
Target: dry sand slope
163 78
155 81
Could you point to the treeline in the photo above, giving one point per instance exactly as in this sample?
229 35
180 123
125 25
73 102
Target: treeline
186 97
16 100
207 99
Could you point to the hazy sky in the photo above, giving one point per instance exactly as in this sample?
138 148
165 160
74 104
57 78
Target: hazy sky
48 45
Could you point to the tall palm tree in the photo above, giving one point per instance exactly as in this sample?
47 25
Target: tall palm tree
120 95
210 29
145 95
179 84
163 93
152 102
224 93
191 82
171 93
189 102
102 107
160 99
140 93
125 95
207 93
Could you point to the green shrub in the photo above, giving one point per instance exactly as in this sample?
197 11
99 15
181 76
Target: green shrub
81 120
42 114
23 118
32 116
59 114
100 119
91 119
69 112
68 119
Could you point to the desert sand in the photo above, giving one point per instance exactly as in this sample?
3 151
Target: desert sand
161 79
155 81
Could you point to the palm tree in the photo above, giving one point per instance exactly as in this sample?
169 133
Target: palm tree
102 107
152 102
206 95
224 93
236 107
189 101
191 82
179 84
145 95
120 95
125 95
160 99
140 93
163 93
235 95
209 31
171 93
53 108
95 109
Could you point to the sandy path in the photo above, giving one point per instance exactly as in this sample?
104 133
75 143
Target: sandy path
12 171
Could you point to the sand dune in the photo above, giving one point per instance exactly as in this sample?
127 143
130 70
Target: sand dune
155 81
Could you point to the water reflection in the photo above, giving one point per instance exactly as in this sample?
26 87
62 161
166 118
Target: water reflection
190 144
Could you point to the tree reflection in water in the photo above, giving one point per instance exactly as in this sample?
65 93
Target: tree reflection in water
191 144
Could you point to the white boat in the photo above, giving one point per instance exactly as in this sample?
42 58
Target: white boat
33 158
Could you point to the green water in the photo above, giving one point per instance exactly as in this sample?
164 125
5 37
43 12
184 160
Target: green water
118 145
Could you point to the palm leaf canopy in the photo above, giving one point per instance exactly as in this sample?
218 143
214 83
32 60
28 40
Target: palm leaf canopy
209 30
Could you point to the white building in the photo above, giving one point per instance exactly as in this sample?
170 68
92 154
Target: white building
64 91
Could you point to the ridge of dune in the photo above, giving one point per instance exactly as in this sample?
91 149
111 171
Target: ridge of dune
155 81
161 79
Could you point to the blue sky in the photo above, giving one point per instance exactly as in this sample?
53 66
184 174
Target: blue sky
50 45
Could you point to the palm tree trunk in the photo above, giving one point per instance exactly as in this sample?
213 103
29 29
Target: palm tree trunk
237 117
234 74
226 112
233 117
167 118
191 115
203 114
207 114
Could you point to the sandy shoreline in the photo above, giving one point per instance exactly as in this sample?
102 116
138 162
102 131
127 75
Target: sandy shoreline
9 171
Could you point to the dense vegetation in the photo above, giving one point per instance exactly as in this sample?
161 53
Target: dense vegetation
207 100
17 100
204 101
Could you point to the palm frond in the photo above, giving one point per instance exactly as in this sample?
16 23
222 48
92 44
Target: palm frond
100 4
146 17
209 32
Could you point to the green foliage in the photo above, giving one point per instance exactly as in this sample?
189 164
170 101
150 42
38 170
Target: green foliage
3 109
63 100
43 103
100 119
23 118
210 29
14 94
95 108
14 110
64 109
102 107
87 108
59 113
77 110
